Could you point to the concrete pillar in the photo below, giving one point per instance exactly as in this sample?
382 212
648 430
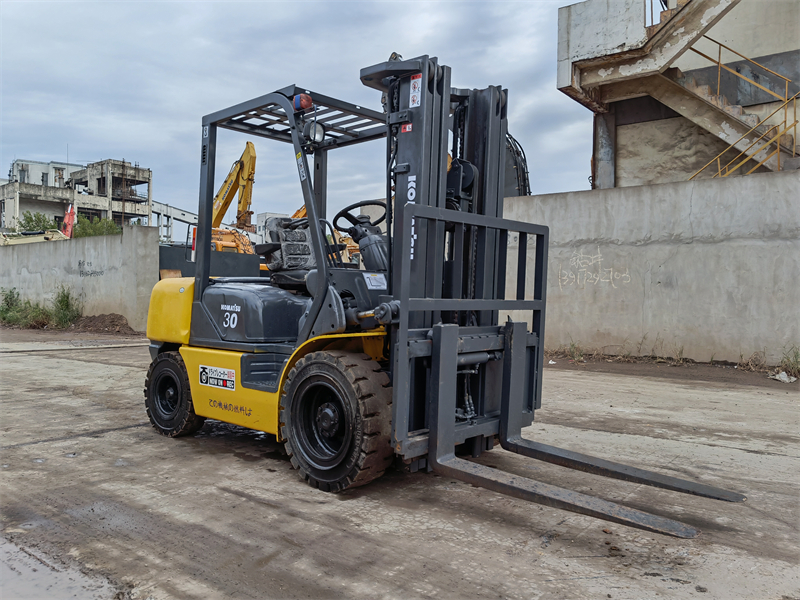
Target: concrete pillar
605 150
15 208
150 198
109 195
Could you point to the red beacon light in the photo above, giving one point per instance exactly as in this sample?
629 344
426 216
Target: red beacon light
302 102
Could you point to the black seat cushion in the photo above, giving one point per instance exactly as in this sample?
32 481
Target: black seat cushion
290 280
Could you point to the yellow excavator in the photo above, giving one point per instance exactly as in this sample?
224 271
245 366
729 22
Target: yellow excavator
239 180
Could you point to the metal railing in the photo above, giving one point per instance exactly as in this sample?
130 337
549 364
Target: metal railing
775 134
771 138
720 67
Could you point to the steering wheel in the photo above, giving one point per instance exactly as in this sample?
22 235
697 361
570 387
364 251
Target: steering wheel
355 221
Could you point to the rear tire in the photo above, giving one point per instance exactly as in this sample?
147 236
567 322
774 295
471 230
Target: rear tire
335 418
168 397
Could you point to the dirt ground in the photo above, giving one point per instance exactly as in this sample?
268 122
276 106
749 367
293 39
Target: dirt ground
95 504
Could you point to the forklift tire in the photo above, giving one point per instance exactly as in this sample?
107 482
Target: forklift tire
336 419
168 397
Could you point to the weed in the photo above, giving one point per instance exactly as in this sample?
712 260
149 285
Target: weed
756 362
640 344
678 359
790 362
10 299
658 346
66 308
13 311
575 352
711 362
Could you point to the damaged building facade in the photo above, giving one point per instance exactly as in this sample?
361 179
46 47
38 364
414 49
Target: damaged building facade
108 189
704 88
688 245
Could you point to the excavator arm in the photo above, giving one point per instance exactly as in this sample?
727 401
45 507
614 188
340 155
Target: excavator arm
240 179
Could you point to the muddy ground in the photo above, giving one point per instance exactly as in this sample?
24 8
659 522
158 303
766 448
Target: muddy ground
95 504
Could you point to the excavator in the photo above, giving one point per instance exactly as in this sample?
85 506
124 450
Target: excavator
239 180
403 359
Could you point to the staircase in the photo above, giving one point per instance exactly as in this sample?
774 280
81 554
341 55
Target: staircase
647 71
665 16
734 110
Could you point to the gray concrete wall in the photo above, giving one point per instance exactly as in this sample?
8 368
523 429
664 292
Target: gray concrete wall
710 267
666 151
597 28
110 274
755 28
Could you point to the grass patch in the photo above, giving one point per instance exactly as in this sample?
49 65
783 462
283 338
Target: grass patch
756 363
65 310
575 352
790 362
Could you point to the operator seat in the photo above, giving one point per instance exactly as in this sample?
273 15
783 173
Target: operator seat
289 255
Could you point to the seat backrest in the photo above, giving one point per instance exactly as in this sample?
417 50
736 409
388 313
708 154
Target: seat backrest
296 251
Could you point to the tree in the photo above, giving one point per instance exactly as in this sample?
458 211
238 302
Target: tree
86 228
35 222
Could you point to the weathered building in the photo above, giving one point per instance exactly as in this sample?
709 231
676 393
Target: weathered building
675 252
705 83
109 189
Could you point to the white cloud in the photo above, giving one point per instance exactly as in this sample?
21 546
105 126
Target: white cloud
133 80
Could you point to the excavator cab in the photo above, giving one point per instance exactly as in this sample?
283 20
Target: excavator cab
433 343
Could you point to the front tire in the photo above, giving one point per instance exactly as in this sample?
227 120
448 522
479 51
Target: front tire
168 397
336 419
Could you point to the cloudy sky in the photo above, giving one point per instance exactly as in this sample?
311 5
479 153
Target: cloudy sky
132 80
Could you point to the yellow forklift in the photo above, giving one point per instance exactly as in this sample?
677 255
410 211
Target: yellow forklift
403 358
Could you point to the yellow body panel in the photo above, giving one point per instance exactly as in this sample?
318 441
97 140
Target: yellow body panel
234 403
255 409
170 313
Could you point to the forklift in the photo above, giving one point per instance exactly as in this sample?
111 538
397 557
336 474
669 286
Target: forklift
410 358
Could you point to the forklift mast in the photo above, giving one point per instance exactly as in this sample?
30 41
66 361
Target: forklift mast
450 256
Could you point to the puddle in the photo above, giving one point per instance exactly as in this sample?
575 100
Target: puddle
27 576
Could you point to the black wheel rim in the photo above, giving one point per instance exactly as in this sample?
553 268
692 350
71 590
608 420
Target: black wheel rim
321 423
166 394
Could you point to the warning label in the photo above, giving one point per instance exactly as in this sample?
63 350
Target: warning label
406 128
415 97
300 166
375 281
219 378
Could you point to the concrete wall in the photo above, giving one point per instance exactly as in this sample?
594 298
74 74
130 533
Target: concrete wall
666 151
712 267
110 274
597 28
755 28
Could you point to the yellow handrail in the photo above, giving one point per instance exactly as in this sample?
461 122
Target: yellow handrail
747 59
777 138
727 68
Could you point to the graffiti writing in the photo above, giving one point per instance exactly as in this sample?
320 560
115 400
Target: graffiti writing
85 269
587 269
